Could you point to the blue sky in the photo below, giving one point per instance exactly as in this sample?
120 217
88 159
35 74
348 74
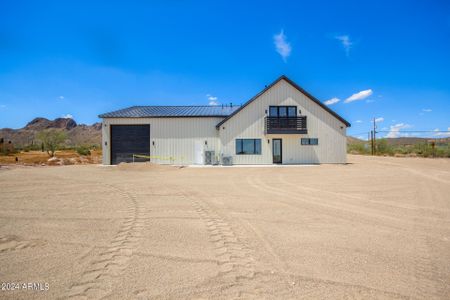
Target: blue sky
383 59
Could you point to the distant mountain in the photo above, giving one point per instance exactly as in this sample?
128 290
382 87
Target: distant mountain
414 140
77 134
402 140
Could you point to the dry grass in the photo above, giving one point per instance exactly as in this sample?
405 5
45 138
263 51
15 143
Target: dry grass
39 157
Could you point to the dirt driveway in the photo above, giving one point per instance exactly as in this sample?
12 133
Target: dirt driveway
375 228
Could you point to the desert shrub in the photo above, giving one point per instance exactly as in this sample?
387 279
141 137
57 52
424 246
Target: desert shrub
358 148
52 140
383 148
82 150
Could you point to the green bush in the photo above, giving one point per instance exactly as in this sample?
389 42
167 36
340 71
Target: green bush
423 149
52 139
360 148
83 150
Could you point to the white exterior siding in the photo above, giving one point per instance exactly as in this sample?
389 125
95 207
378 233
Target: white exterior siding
172 137
249 123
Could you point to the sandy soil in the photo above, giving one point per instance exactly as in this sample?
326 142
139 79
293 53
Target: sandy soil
68 157
373 229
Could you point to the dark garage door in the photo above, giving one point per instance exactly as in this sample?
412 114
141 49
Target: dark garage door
127 140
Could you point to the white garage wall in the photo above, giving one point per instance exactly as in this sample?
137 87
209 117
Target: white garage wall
249 123
172 137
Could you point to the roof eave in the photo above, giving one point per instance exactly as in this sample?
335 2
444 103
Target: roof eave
156 117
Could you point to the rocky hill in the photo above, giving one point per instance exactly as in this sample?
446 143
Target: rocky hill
78 134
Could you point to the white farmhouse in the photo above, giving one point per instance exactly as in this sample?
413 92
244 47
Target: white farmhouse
283 124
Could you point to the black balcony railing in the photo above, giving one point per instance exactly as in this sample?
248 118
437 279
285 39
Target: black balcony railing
286 125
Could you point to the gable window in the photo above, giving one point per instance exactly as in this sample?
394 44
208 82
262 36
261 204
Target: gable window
248 146
283 111
307 141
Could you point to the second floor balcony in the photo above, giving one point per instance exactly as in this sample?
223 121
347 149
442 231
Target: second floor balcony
286 125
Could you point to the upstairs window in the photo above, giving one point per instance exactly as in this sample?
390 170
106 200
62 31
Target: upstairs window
306 141
283 111
248 146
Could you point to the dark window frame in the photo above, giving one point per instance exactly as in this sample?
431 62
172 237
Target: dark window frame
257 147
309 141
286 107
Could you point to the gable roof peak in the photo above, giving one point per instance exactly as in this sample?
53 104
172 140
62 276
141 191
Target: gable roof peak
297 87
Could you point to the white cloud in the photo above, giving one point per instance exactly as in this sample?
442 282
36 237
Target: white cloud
358 121
427 110
380 119
282 46
359 96
68 116
61 97
212 100
332 101
346 43
394 130
442 134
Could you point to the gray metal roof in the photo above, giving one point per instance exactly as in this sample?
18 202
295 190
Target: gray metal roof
171 111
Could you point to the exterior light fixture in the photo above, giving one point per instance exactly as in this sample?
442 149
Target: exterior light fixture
153 143
206 142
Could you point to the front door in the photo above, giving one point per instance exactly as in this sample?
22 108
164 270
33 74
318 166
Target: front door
277 151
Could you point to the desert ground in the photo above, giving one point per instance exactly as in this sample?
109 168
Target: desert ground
376 228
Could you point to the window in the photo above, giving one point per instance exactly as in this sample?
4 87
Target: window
292 111
248 146
273 111
310 141
283 111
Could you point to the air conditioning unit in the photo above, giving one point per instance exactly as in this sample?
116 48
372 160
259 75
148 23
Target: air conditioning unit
210 157
227 160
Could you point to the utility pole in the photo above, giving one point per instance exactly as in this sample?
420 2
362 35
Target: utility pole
371 141
374 136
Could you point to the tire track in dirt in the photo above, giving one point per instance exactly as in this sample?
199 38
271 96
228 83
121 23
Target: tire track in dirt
273 281
425 270
13 243
346 197
390 214
334 210
305 287
97 280
416 172
239 276
236 259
